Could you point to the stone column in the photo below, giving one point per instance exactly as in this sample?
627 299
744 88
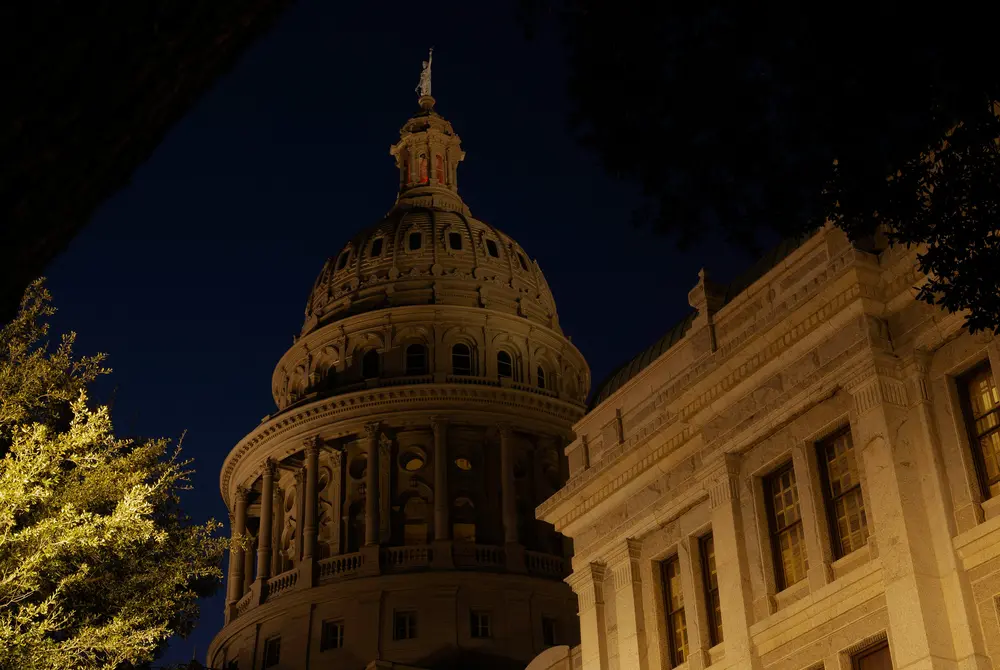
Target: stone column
300 512
336 498
384 487
236 551
266 513
309 526
508 486
248 556
442 527
695 611
371 485
624 566
731 565
891 453
588 584
279 509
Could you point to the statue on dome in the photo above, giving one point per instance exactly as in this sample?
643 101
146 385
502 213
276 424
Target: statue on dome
424 88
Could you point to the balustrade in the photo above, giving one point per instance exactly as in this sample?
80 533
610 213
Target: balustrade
339 567
244 603
283 582
545 565
403 558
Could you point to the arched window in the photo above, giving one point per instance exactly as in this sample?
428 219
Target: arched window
377 247
524 264
414 241
505 366
455 241
370 364
415 521
342 261
439 168
463 527
492 249
422 168
540 375
416 359
461 359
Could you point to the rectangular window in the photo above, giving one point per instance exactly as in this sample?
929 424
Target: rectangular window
480 624
712 600
549 636
673 605
787 537
845 505
332 635
272 651
873 658
404 626
981 405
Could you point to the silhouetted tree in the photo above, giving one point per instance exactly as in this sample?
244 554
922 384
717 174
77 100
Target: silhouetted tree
747 116
99 565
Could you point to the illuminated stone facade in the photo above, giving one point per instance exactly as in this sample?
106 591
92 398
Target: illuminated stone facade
797 477
422 416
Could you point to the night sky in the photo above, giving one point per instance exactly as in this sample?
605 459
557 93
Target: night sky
194 279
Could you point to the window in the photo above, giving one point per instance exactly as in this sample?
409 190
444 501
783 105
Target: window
673 600
549 636
524 264
787 538
412 460
463 527
845 506
370 364
342 261
415 521
873 658
422 169
461 359
377 247
479 624
492 249
404 626
540 376
272 651
455 241
332 636
463 463
439 168
416 359
505 366
982 415
414 241
711 579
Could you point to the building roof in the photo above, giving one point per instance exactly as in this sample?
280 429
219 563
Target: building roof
620 376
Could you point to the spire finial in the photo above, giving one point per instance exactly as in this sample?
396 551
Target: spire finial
424 87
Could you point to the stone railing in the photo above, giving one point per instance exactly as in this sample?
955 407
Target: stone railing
405 381
340 567
472 379
471 556
407 557
243 604
544 565
520 386
283 582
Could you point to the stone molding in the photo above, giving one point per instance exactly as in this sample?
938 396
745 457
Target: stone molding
588 584
624 564
864 643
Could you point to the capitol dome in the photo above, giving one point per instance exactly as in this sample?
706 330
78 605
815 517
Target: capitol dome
429 249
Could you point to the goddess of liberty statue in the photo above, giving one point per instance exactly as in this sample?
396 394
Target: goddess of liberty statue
424 87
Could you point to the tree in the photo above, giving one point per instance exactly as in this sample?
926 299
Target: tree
99 565
779 116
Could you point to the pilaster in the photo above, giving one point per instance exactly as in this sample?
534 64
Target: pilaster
384 487
588 584
310 526
371 485
624 565
266 519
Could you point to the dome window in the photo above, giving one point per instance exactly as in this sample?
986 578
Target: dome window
505 365
422 169
540 376
416 359
371 364
358 467
414 241
524 264
463 464
439 169
461 360
412 460
342 261
463 528
492 249
415 521
377 247
455 241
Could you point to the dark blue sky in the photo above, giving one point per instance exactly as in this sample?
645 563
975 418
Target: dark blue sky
194 278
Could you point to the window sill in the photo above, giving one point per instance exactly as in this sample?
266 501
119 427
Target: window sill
793 593
846 564
716 653
991 508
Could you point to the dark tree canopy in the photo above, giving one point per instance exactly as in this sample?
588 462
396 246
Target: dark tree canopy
741 117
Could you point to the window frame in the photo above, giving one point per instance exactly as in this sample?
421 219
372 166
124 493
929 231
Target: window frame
509 363
675 656
541 377
453 237
410 237
965 400
476 625
780 578
410 619
715 632
328 625
471 368
858 657
550 631
376 253
492 248
272 643
408 356
371 355
829 499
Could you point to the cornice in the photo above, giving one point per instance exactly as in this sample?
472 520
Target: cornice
359 408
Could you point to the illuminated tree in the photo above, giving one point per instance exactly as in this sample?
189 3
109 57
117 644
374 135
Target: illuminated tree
99 565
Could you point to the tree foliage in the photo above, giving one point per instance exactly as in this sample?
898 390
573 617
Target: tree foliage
99 565
779 116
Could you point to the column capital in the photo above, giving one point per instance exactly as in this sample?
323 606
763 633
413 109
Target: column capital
722 483
875 382
336 457
588 584
312 443
242 493
372 429
439 422
624 563
268 467
504 429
